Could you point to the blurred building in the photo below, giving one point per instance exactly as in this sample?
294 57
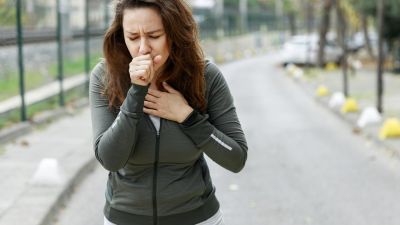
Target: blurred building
202 3
42 13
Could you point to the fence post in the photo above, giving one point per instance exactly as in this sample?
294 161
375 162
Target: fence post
21 61
106 14
60 54
87 49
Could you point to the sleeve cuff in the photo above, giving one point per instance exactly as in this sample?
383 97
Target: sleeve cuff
134 100
191 119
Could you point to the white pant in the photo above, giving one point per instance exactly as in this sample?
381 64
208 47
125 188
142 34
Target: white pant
214 220
106 222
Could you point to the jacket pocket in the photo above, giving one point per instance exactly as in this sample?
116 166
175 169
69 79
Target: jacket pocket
180 188
132 194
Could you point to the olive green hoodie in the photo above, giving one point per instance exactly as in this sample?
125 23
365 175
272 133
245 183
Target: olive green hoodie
161 177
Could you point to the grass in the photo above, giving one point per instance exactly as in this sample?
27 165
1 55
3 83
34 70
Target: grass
74 66
391 113
311 73
364 95
34 78
2 150
52 103
10 87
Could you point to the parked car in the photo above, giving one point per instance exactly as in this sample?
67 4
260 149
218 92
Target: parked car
303 49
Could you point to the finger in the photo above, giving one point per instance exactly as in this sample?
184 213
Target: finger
157 59
150 105
139 75
142 57
151 111
155 93
169 88
150 98
141 67
140 62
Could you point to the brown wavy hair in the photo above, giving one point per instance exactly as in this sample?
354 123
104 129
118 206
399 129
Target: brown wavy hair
184 69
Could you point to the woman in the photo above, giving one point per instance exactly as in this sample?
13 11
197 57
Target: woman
156 107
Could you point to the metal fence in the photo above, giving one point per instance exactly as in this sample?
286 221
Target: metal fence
47 42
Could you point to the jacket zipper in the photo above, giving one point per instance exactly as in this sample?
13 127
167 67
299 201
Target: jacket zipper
155 171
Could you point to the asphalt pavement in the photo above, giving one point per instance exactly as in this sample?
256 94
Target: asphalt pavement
305 164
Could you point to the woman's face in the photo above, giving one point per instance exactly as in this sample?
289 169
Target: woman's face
144 34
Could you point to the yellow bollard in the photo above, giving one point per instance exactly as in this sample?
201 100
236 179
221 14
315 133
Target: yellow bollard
330 66
390 129
322 91
350 105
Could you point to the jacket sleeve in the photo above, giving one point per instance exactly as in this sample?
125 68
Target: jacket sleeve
218 133
114 135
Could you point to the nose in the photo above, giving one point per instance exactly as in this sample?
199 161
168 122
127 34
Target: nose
144 47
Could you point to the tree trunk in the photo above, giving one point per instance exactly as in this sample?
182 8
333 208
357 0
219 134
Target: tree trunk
380 13
292 23
309 23
342 39
323 30
364 23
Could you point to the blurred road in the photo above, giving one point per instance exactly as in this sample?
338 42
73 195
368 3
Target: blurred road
304 166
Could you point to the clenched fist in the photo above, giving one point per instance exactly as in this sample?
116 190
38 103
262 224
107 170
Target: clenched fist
142 69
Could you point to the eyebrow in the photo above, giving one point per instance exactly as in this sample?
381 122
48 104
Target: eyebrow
150 32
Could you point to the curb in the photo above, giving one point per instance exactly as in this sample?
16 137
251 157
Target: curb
66 193
78 173
367 133
11 133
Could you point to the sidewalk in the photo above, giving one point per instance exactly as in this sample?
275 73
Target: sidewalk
362 87
24 201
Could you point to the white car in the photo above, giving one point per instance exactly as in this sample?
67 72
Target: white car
303 49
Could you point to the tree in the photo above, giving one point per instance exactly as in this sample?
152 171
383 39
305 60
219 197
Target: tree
289 8
388 18
391 19
343 29
323 30
7 13
381 16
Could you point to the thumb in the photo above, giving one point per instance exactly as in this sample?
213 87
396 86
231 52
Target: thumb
157 59
169 88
